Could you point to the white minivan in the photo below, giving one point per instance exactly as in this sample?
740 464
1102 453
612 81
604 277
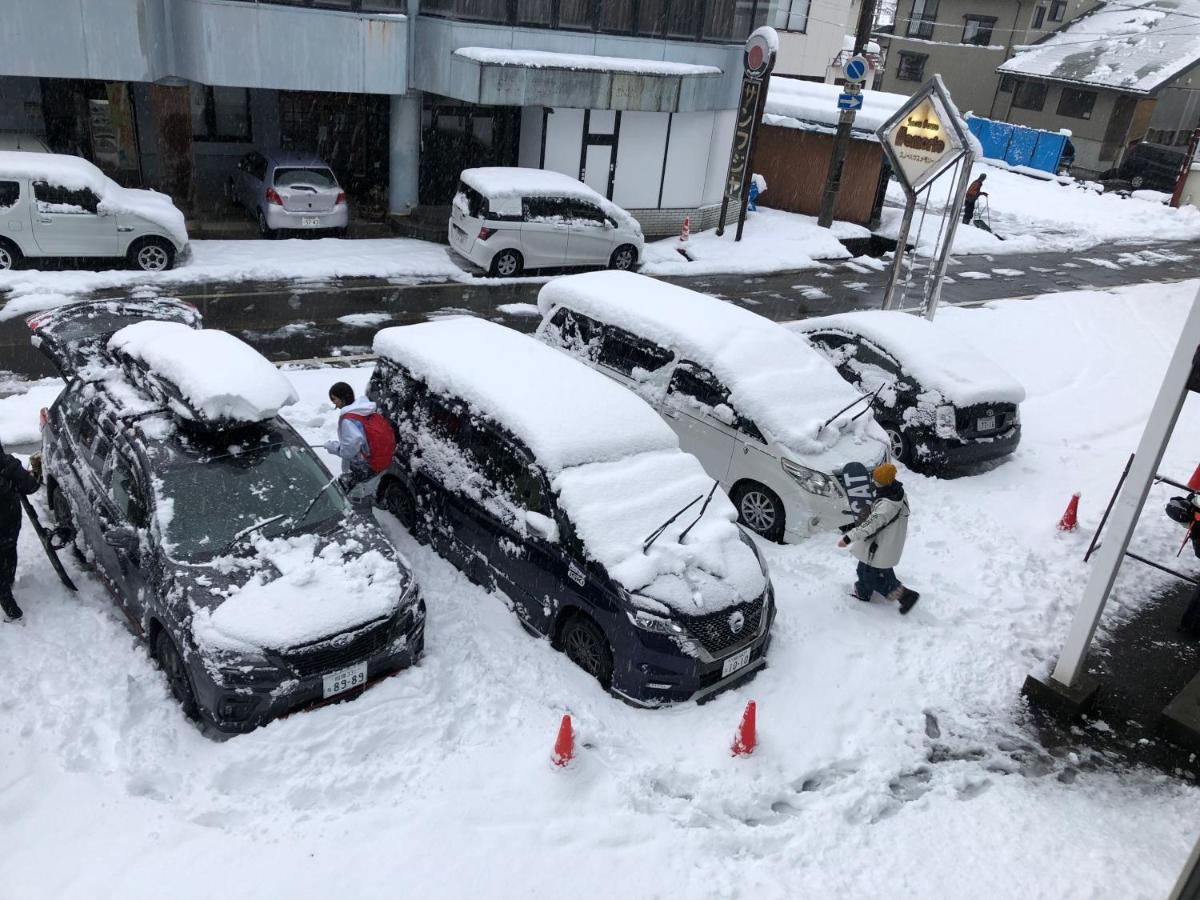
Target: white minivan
53 205
506 220
764 412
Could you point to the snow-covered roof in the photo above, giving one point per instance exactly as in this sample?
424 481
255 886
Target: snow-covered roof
219 378
580 62
938 360
1135 45
563 411
774 376
75 174
809 106
504 186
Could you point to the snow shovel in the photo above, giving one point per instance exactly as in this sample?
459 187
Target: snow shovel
984 220
47 544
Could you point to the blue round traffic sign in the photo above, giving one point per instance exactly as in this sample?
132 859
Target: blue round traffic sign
856 69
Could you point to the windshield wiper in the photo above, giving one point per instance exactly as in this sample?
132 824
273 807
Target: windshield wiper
250 529
313 501
849 406
711 491
663 527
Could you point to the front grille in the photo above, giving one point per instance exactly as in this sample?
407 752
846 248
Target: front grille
967 419
713 630
326 656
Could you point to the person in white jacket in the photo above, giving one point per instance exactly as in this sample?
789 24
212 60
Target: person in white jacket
878 542
351 443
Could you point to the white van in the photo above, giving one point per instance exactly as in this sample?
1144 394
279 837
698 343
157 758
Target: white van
56 205
506 220
764 412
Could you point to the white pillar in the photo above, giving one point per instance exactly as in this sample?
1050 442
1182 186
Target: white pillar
404 152
1130 501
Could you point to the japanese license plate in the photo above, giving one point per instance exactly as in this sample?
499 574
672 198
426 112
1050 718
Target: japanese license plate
344 680
985 423
311 221
735 662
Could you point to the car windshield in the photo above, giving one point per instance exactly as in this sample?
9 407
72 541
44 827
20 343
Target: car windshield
211 501
318 177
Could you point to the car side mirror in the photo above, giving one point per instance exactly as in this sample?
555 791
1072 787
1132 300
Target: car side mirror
609 223
123 537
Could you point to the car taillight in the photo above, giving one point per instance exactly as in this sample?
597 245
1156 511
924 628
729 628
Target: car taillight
485 233
273 197
341 198
43 418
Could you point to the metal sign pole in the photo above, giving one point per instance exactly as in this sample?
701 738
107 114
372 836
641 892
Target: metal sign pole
953 210
889 291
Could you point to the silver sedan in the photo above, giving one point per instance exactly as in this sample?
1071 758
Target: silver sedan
289 191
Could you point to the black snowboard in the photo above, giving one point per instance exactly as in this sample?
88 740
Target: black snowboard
47 544
860 488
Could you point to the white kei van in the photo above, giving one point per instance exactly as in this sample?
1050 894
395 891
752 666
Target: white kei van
764 412
56 205
506 220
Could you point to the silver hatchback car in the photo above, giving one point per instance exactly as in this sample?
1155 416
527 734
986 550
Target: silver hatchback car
284 190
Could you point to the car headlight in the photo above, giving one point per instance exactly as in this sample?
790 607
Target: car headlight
652 623
943 422
409 595
810 479
247 670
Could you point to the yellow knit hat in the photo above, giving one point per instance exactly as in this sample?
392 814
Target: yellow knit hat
884 474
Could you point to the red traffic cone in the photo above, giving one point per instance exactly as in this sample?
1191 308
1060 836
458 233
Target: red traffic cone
687 229
746 738
564 746
1194 481
1070 519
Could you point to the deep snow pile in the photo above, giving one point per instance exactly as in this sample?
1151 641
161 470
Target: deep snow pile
880 773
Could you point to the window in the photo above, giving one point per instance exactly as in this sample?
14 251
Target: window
1075 103
545 209
10 193
698 384
508 467
911 66
529 12
625 352
1183 138
574 332
575 14
578 209
254 164
792 15
977 30
1006 84
52 198
1039 16
617 16
126 496
220 114
1057 8
445 419
1029 95
920 23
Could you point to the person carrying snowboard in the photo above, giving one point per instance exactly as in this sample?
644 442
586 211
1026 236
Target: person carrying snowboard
15 482
878 542
365 441
974 192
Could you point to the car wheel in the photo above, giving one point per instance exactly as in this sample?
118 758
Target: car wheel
898 445
10 256
1136 182
399 501
585 645
64 522
174 668
624 258
760 510
151 255
263 228
507 264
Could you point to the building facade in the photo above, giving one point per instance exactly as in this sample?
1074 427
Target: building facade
634 97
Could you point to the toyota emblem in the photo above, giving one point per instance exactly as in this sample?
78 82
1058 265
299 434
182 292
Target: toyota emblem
737 622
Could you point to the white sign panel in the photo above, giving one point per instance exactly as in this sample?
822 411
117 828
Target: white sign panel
922 139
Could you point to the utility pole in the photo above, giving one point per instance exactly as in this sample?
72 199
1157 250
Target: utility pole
841 141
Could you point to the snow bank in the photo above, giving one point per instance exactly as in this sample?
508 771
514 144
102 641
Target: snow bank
217 375
505 186
774 376
563 411
579 62
937 359
75 173
304 592
615 506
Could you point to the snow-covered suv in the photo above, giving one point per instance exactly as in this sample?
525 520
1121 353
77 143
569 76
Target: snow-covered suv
225 541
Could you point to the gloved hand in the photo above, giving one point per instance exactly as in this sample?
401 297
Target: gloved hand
332 447
35 465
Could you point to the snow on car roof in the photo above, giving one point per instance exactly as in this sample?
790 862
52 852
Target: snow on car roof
219 378
938 360
774 376
564 412
75 174
505 186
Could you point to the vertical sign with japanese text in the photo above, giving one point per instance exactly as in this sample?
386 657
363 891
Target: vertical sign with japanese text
759 59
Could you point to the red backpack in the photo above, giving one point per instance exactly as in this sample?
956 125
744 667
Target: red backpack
381 439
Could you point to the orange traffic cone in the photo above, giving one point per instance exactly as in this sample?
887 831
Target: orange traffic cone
687 229
1194 481
564 746
746 738
1070 519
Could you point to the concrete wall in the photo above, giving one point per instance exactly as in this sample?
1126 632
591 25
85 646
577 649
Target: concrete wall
1178 108
216 42
807 54
969 72
1086 134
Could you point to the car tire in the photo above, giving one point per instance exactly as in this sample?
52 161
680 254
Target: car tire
624 258
173 666
585 645
10 256
264 229
1136 182
898 444
507 264
151 254
400 502
57 501
760 509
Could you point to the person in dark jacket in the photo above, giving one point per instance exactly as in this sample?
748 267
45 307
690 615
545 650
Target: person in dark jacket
974 192
878 542
15 482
